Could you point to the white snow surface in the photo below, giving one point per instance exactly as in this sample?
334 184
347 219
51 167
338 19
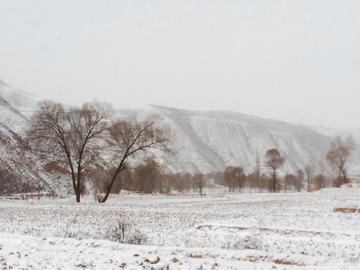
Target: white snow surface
218 231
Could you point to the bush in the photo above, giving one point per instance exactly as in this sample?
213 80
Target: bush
123 231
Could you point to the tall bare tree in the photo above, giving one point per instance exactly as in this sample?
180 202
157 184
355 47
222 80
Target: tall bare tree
127 139
274 161
70 137
338 154
199 181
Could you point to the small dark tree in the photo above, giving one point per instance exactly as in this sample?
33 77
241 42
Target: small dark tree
186 177
228 178
146 177
290 181
299 179
274 161
319 181
338 154
254 179
309 169
234 176
199 181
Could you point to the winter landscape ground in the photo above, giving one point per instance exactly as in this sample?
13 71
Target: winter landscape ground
217 231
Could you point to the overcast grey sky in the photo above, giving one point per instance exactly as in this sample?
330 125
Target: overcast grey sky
296 61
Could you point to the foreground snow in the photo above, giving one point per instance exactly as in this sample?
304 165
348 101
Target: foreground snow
240 231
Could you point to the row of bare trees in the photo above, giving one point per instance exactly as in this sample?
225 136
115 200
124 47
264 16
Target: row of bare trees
337 157
84 140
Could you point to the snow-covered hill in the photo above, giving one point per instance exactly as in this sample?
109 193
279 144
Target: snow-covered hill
209 141
17 163
18 99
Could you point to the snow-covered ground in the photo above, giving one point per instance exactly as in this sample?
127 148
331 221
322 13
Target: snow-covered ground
236 231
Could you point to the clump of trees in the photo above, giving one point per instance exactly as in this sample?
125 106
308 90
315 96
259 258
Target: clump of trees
234 177
82 140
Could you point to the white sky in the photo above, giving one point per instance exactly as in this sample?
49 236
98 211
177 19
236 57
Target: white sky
297 61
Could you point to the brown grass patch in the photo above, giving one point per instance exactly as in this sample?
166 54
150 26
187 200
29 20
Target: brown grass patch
345 210
278 261
195 256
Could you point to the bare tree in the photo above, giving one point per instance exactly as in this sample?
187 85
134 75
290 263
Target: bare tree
338 154
254 178
147 176
319 181
299 179
186 178
234 176
228 178
127 139
290 181
309 169
199 181
70 137
274 161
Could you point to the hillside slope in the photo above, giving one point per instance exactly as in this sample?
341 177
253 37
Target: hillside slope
19 167
18 99
210 141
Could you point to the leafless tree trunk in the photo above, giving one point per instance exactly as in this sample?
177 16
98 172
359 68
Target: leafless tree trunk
127 139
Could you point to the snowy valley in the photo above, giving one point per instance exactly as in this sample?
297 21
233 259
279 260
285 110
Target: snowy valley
220 230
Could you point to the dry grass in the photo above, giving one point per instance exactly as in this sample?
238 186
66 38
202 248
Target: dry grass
346 210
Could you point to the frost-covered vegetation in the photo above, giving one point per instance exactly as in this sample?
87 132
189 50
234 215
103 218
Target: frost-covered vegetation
261 231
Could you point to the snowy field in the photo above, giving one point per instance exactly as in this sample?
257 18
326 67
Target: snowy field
236 231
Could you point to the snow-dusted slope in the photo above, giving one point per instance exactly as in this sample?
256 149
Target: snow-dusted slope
20 100
15 157
210 141
10 118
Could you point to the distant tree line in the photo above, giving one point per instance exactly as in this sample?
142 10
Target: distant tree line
337 157
149 177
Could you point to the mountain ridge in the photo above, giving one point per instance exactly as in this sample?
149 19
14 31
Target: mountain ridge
208 141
